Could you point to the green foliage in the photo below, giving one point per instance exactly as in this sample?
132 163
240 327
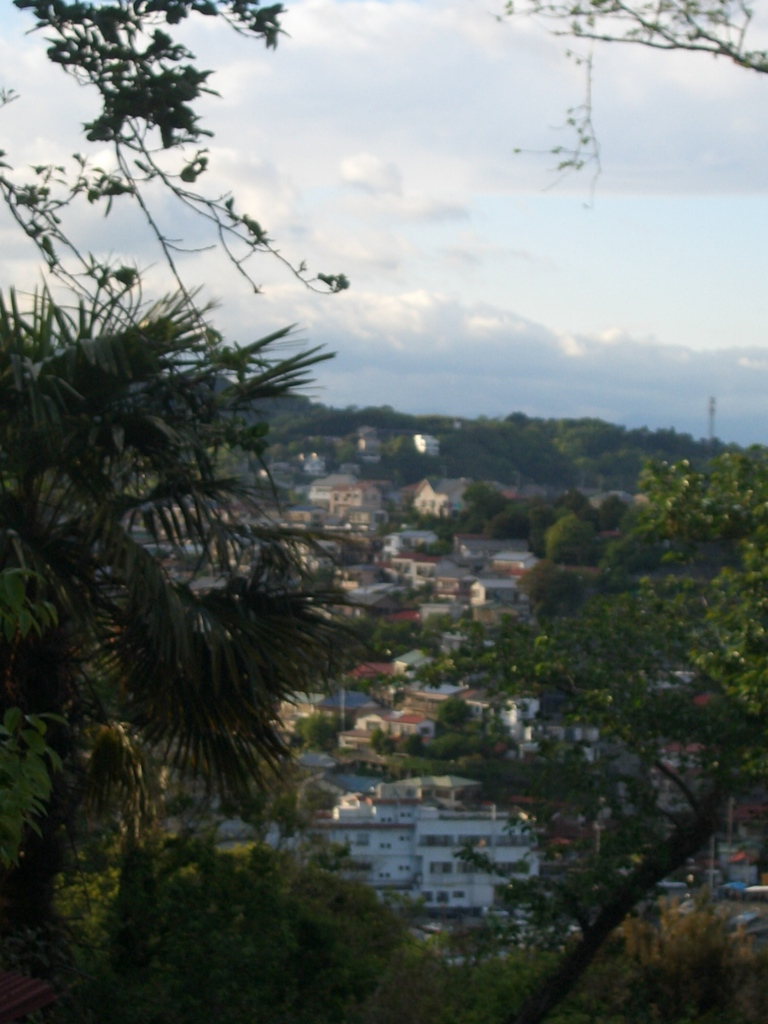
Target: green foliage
553 591
381 743
512 522
453 712
577 503
318 732
482 502
677 964
517 450
18 614
110 436
454 745
194 935
26 764
718 29
148 89
413 746
571 541
612 512
422 986
26 761
673 677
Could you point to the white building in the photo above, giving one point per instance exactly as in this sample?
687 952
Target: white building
407 540
425 444
416 848
313 464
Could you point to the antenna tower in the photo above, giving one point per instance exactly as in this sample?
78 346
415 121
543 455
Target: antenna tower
711 420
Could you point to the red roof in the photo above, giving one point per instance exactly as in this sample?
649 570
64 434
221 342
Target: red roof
20 996
372 668
406 616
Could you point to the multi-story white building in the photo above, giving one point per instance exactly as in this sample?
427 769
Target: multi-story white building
425 444
416 848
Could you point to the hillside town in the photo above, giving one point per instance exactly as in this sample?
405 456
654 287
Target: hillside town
415 704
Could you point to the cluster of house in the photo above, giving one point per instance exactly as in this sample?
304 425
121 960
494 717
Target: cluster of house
343 501
403 708
430 838
480 575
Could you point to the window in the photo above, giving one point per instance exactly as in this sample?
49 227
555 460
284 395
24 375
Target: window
362 839
441 867
458 895
427 897
442 896
436 841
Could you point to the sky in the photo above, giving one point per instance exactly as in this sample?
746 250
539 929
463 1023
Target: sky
406 144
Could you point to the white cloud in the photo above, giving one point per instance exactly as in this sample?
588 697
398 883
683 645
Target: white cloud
372 174
378 141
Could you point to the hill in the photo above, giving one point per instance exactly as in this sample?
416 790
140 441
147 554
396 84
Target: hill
553 453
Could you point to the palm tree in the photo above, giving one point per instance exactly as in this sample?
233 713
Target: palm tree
111 432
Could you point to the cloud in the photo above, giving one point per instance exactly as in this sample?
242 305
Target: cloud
424 351
378 141
372 174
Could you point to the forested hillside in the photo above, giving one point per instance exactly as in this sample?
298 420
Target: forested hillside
518 449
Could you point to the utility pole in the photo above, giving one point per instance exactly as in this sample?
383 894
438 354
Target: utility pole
711 419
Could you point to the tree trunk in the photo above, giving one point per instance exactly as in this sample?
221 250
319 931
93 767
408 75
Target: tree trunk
681 844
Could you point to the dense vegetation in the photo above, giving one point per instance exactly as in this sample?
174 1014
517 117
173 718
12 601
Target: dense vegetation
558 453
176 931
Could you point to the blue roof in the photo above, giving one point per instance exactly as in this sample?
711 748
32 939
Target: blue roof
352 699
355 783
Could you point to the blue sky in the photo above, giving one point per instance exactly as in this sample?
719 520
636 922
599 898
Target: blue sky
379 140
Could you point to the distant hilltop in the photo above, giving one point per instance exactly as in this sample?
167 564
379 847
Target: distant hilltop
517 450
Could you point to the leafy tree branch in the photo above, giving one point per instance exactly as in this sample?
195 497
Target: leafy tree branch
148 87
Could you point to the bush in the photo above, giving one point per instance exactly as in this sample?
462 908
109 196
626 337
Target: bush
194 935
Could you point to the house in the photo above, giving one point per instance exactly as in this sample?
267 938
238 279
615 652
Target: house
360 494
406 664
311 516
397 724
503 590
453 582
368 444
413 845
348 704
513 561
437 610
319 556
371 670
376 599
429 699
413 568
475 546
444 499
366 518
313 464
425 444
321 490
407 540
449 791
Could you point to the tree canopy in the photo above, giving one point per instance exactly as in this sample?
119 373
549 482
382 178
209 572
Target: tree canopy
183 616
